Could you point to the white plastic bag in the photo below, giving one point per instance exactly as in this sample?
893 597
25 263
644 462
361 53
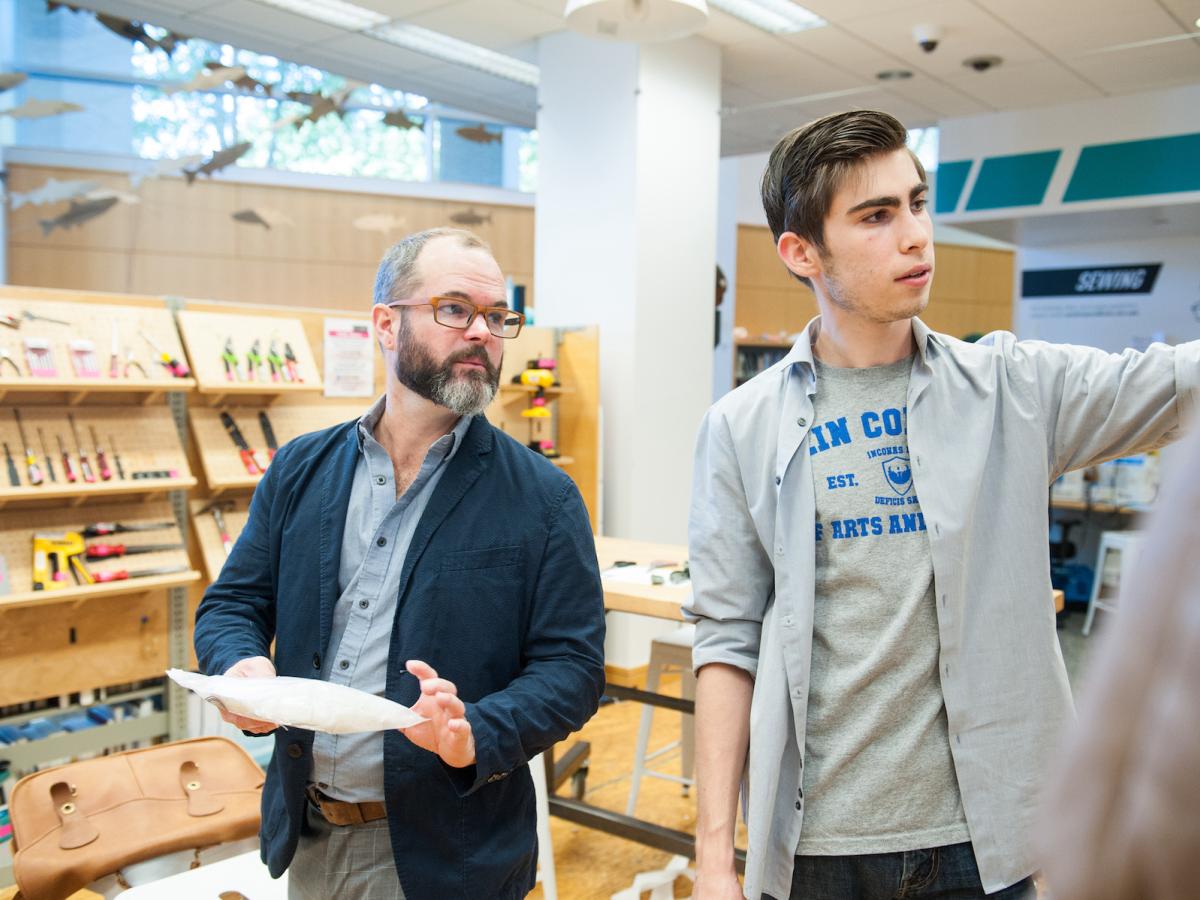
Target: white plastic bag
299 702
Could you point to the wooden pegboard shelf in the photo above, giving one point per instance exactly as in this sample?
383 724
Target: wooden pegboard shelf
109 589
78 494
74 391
524 390
1100 507
144 438
562 460
62 327
153 523
205 334
256 393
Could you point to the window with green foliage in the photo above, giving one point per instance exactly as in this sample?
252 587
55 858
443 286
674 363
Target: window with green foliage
136 98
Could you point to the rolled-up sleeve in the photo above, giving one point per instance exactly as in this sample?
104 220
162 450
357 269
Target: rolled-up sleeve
732 576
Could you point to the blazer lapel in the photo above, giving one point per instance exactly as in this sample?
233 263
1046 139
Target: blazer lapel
335 500
466 467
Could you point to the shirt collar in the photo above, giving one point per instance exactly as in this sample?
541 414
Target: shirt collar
369 419
801 352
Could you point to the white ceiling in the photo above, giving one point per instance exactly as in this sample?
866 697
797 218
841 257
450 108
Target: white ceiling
1049 49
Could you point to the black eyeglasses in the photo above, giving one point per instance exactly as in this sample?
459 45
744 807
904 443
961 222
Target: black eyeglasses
454 312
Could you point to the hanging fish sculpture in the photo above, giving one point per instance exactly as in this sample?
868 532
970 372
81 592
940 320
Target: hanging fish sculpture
226 156
40 109
478 134
78 213
54 191
470 217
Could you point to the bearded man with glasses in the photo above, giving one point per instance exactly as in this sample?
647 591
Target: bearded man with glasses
416 536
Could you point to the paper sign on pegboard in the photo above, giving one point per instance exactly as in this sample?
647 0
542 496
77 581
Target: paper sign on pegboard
349 358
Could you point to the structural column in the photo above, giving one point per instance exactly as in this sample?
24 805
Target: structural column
626 231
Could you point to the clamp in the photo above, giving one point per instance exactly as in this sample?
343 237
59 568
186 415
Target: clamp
254 360
275 361
229 358
131 362
6 357
292 364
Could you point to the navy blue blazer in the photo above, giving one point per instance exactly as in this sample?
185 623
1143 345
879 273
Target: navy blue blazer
500 593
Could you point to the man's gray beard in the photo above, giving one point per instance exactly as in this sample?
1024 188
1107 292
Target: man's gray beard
463 396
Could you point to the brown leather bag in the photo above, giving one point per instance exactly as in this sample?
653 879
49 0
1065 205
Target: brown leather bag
75 823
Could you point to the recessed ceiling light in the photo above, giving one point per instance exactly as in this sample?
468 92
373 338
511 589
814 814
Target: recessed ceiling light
452 50
1197 23
894 75
332 12
775 16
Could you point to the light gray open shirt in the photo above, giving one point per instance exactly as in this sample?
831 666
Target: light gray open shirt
990 426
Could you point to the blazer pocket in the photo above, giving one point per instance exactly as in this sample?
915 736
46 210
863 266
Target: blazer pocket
484 558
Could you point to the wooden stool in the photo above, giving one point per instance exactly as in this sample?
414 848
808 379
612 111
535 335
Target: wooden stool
672 650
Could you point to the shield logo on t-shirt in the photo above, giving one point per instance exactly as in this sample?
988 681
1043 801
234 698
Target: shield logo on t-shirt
898 472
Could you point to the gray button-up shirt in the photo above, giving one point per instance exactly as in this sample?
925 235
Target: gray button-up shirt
379 529
990 426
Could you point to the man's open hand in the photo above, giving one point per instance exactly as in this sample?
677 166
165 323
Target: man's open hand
251 667
447 733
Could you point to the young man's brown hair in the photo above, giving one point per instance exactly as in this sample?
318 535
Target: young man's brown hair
809 164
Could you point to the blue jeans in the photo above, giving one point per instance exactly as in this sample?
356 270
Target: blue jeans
945 873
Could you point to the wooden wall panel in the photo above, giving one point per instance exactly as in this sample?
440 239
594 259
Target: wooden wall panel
181 240
972 289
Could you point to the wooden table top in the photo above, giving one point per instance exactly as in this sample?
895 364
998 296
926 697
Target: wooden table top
659 601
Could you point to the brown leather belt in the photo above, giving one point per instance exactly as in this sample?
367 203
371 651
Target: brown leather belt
339 812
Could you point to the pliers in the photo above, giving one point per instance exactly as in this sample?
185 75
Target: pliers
229 357
6 357
275 361
292 364
254 360
131 362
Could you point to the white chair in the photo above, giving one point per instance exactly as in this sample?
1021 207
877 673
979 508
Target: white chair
671 651
537 769
1126 543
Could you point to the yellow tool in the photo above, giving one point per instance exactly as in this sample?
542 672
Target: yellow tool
542 378
53 556
535 412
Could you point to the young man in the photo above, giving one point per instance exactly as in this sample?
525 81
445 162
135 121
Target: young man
869 555
416 537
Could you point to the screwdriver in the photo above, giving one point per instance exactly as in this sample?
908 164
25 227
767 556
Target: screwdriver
116 458
46 456
123 574
14 477
101 459
32 469
68 466
104 551
85 465
170 363
100 529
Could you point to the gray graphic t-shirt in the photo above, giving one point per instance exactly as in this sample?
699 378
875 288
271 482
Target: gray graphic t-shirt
878 776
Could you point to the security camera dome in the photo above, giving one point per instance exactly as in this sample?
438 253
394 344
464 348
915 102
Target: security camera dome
982 63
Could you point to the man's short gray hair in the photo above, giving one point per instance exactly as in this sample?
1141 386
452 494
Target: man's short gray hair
397 275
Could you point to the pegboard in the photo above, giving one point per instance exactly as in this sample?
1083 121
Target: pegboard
235 511
93 324
142 439
18 528
219 456
206 334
